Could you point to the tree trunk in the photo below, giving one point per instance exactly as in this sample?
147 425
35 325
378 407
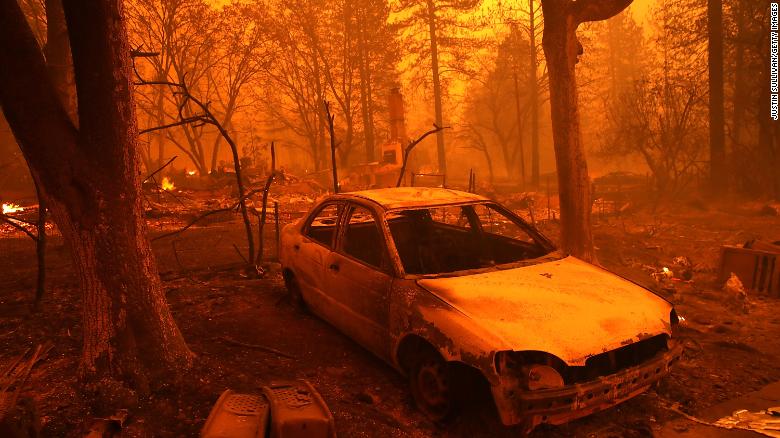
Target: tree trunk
437 105
40 248
561 19
717 115
90 175
520 148
365 78
227 121
560 49
58 58
160 116
534 97
741 92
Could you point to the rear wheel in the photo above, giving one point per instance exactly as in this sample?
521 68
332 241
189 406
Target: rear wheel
293 291
429 381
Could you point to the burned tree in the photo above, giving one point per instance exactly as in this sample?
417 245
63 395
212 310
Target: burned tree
561 48
333 146
412 144
90 176
206 116
717 112
436 20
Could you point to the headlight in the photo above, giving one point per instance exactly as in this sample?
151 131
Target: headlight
543 377
531 376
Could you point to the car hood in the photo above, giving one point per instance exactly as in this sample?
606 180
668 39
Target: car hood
567 307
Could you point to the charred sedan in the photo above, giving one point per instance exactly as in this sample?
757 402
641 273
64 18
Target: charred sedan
434 280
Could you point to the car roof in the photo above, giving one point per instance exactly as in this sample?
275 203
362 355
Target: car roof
410 197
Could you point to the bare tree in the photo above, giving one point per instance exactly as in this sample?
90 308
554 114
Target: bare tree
664 122
718 180
438 19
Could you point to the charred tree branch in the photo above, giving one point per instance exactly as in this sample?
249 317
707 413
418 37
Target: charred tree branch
210 118
13 222
263 212
333 145
597 10
151 175
411 146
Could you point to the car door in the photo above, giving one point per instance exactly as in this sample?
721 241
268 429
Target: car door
318 238
359 276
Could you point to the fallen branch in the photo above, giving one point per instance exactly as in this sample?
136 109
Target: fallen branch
193 222
256 347
238 251
205 215
12 222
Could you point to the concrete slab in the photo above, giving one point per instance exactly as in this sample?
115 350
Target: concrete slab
766 397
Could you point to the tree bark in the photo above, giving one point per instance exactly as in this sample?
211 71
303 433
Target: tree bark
364 66
437 104
90 176
520 147
58 57
534 97
717 113
559 41
40 248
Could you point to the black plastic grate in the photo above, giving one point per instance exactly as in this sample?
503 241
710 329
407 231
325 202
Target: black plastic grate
245 404
292 396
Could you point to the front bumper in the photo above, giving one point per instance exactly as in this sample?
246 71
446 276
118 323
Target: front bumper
561 405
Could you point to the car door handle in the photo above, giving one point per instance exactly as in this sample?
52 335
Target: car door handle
334 267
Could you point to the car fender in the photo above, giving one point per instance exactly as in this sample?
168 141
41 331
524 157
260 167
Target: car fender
415 312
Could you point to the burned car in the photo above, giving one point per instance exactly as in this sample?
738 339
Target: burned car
432 280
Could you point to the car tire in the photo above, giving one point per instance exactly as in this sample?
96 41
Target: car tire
429 382
294 291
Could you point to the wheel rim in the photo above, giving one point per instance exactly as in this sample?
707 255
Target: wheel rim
432 390
294 292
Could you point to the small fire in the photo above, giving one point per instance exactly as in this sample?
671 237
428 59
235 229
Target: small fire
167 184
191 172
11 208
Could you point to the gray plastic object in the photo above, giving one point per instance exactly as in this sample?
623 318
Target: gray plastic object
298 411
237 416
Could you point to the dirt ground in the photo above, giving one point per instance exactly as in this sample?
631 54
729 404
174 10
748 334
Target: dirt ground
225 316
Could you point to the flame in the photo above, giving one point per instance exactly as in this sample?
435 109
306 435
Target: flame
191 172
167 184
11 208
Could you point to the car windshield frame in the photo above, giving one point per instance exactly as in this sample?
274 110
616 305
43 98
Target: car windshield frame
551 251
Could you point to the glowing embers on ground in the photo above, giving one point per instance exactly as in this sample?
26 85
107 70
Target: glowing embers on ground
191 172
12 208
167 184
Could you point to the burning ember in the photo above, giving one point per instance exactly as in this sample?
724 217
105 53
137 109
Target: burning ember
191 172
11 208
167 184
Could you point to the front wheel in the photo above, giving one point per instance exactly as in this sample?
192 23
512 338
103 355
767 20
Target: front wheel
429 382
